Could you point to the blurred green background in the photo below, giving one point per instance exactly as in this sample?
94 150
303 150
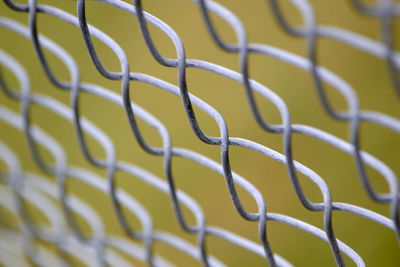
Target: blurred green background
365 73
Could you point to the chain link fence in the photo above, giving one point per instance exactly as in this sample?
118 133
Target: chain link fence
23 191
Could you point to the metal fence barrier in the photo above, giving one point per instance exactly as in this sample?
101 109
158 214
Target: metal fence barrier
19 187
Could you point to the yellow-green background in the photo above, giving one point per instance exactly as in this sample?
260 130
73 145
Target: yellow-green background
365 73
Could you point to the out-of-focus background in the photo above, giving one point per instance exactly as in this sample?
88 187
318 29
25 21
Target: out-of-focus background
365 73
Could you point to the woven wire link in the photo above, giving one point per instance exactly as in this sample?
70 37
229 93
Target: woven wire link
21 186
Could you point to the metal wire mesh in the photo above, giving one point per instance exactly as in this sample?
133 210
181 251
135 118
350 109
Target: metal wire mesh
21 187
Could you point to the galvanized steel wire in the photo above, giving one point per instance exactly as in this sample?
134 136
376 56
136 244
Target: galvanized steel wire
25 186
